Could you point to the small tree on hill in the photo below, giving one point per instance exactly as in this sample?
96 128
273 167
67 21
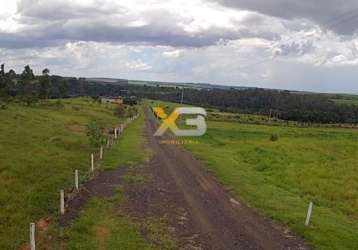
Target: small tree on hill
95 134
27 87
45 84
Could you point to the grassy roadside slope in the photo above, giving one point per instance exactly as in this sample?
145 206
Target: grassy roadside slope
130 148
39 149
102 225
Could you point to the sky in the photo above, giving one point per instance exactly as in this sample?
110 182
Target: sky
284 44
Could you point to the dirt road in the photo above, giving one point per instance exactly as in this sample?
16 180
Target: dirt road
199 210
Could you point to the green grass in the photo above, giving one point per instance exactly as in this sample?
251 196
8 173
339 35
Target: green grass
39 149
129 149
347 101
281 177
101 226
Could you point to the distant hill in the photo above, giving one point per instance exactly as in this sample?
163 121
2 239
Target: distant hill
106 80
208 86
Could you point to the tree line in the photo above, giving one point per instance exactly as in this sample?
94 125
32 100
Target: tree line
285 105
29 88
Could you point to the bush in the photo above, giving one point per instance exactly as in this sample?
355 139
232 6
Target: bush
120 111
95 134
3 106
58 104
274 137
131 111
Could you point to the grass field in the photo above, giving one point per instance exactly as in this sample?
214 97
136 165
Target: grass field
281 177
347 101
39 149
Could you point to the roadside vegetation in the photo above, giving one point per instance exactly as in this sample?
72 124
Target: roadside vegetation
102 225
280 169
40 147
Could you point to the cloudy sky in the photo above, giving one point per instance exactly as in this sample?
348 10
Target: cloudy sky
289 44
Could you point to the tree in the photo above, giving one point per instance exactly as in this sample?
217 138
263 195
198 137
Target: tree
95 134
12 73
27 87
45 71
6 81
2 70
45 84
63 88
28 74
2 79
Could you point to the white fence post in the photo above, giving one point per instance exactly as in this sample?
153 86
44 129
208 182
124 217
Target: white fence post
115 133
101 153
62 202
32 236
309 213
92 162
76 179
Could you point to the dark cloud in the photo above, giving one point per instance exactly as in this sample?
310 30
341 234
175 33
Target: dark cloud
55 22
340 16
56 34
62 10
52 23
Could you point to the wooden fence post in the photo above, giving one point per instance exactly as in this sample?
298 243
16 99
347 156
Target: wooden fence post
76 179
62 202
92 162
309 213
101 153
32 236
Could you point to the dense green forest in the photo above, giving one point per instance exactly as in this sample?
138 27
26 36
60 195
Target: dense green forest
286 105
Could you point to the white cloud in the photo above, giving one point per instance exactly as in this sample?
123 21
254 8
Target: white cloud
172 53
138 65
177 40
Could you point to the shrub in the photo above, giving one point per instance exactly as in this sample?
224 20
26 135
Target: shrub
274 137
3 106
131 111
120 110
95 134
